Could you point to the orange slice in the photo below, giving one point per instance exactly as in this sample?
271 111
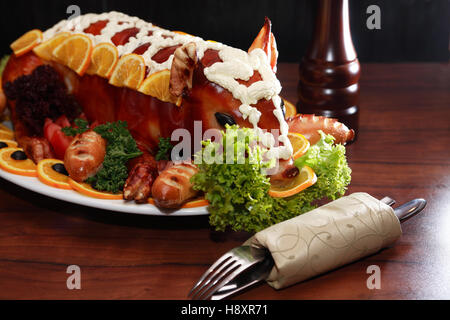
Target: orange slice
45 49
75 52
24 167
9 143
87 190
305 179
291 110
3 127
26 42
192 204
104 58
48 175
129 72
183 33
6 134
196 204
299 143
157 85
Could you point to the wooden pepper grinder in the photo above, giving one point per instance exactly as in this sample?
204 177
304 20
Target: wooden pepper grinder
330 71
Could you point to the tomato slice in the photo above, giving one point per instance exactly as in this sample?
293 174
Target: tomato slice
63 122
49 129
59 141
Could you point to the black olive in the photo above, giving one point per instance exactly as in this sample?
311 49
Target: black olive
19 155
3 145
283 108
59 167
225 119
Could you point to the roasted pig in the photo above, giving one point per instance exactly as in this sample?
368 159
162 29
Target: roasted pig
105 66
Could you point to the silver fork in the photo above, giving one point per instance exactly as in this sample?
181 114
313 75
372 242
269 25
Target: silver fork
226 269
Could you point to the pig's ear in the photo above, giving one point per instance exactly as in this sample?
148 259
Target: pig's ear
266 41
183 65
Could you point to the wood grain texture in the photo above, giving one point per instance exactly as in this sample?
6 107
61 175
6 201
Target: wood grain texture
402 151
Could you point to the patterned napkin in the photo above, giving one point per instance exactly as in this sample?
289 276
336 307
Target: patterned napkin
328 237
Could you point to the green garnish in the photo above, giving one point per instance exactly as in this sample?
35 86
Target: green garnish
82 126
3 63
164 149
238 193
120 148
330 165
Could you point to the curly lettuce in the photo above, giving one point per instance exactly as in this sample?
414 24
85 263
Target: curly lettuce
238 193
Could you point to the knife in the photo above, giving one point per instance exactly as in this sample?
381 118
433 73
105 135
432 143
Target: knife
261 271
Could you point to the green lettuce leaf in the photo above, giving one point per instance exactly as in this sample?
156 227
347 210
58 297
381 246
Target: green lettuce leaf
238 193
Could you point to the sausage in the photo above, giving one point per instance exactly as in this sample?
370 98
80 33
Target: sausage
143 172
309 125
173 187
164 165
36 148
85 155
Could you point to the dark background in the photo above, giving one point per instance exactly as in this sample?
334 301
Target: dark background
411 30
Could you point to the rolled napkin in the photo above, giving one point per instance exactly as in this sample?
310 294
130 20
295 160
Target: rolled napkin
328 237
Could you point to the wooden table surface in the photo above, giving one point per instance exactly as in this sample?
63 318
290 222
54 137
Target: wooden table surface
403 151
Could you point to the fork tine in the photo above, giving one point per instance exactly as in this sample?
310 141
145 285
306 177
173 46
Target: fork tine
214 275
227 278
219 281
208 272
226 281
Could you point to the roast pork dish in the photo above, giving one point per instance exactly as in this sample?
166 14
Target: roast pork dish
77 89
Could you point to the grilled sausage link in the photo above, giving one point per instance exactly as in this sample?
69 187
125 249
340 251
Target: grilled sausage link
143 173
85 155
173 187
36 149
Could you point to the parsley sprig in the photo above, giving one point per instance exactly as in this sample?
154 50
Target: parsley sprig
164 149
120 148
81 127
